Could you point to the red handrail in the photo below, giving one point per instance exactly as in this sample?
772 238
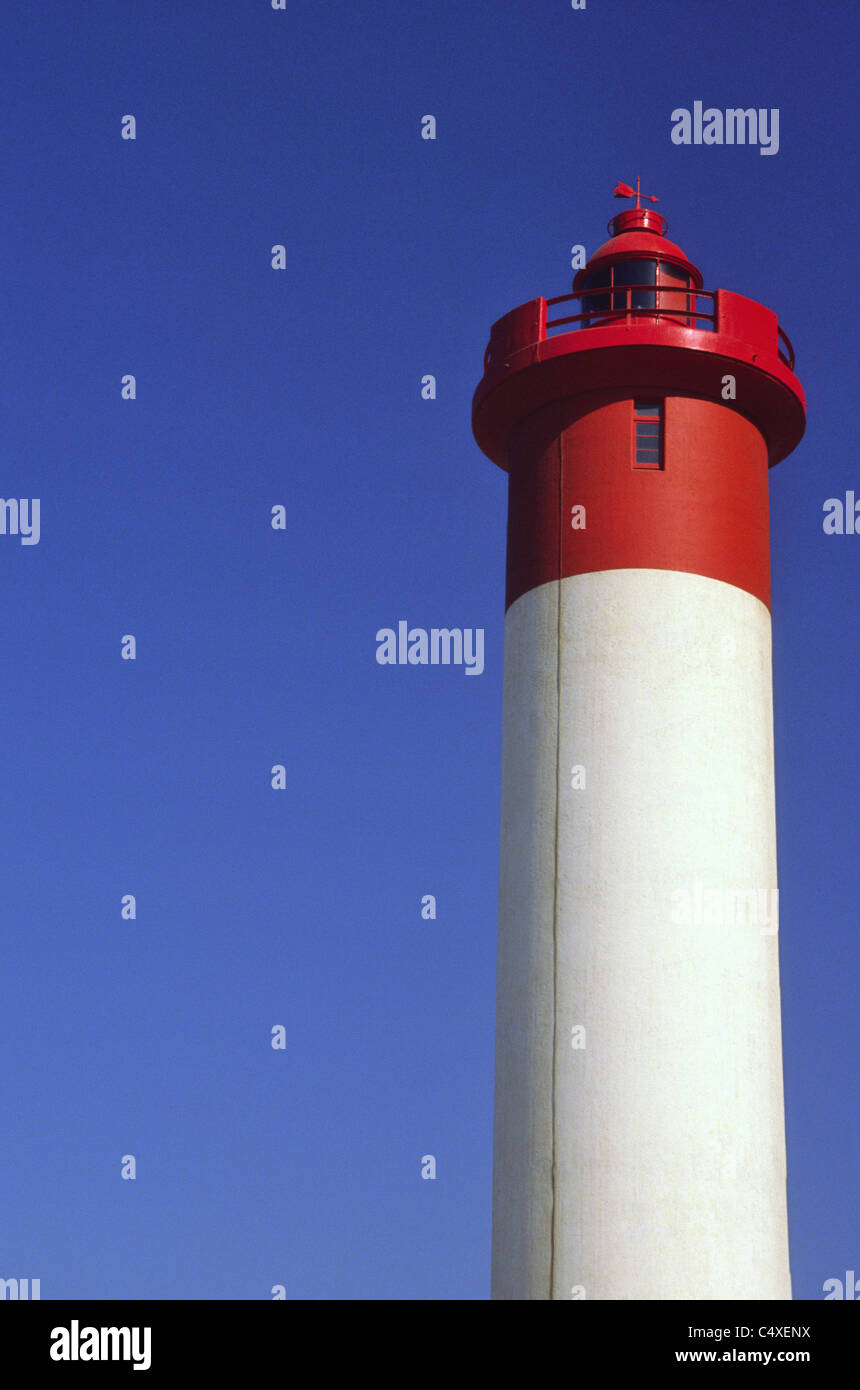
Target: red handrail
658 310
595 317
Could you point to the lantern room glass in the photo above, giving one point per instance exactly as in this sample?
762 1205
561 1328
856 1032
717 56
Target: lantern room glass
671 289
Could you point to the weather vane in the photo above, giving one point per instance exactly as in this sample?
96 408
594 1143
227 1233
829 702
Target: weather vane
623 190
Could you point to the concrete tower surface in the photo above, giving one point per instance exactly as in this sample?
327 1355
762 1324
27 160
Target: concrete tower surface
639 1146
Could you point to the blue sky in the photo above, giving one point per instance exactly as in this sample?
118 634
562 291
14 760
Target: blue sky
301 907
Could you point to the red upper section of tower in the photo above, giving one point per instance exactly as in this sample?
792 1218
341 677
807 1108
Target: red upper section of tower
645 323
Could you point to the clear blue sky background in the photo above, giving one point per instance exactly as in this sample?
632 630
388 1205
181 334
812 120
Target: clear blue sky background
256 647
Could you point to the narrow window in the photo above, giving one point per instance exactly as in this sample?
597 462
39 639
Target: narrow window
648 434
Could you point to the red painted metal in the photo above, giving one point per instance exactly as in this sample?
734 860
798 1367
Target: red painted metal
638 220
636 235
555 410
705 512
623 190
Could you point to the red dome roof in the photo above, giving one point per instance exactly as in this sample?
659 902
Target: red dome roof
639 234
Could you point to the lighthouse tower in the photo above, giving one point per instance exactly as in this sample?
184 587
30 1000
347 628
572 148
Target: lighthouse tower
639 1146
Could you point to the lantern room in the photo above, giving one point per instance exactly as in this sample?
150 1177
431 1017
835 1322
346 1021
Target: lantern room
639 271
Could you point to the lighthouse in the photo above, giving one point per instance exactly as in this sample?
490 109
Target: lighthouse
639 1135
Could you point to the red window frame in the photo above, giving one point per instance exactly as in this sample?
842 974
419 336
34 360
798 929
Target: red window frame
648 432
